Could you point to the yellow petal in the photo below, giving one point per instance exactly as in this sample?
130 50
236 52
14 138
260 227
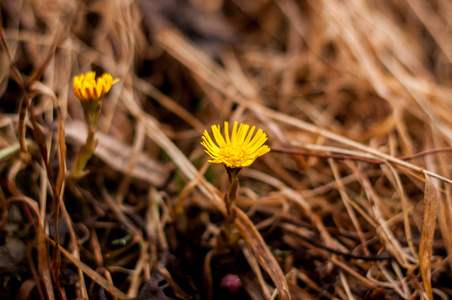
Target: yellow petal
86 88
239 150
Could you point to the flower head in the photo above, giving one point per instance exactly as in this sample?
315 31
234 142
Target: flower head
238 150
87 88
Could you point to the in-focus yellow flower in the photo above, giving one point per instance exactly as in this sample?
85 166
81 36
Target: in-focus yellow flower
238 150
87 88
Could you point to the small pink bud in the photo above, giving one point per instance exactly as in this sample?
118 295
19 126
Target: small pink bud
231 282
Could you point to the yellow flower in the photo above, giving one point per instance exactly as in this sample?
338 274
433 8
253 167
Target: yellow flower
237 151
86 88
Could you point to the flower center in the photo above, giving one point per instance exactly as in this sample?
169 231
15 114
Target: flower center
236 155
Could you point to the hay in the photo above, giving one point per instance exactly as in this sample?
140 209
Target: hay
354 201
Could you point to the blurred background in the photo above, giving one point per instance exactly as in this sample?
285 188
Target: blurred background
353 202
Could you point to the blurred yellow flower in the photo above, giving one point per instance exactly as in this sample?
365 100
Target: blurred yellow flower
238 150
86 88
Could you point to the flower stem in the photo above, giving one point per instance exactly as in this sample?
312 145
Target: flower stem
226 236
231 195
92 113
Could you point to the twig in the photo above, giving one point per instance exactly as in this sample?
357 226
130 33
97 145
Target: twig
357 158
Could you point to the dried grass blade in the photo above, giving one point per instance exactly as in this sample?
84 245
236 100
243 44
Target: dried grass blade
431 201
41 247
25 289
252 261
38 88
252 237
7 152
44 264
109 287
15 73
118 155
205 68
24 102
40 140
62 147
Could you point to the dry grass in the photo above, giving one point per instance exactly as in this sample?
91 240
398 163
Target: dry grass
354 201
